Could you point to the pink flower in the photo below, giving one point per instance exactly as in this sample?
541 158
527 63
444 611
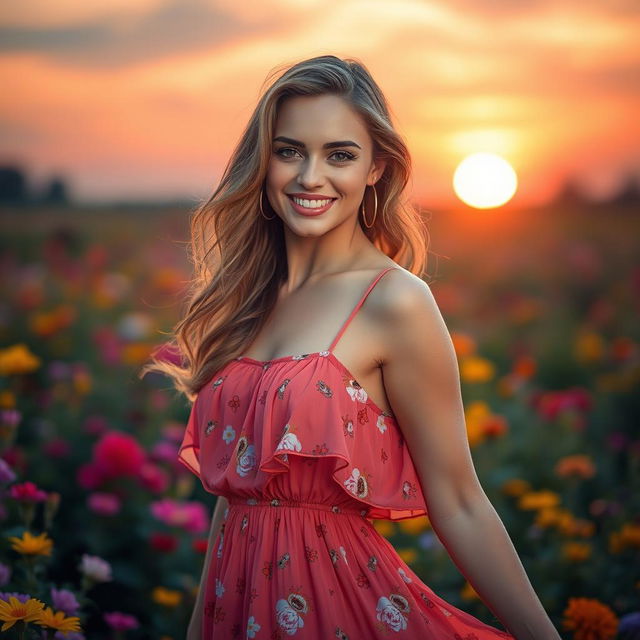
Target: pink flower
153 478
27 492
57 448
104 504
95 425
89 476
164 451
191 516
118 454
120 621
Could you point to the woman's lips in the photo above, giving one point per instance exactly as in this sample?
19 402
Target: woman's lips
309 212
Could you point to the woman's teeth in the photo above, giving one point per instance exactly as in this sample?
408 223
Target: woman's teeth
311 204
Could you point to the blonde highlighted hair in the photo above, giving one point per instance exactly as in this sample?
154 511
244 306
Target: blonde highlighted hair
239 256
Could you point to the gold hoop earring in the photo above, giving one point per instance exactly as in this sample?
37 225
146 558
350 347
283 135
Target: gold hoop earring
375 211
261 211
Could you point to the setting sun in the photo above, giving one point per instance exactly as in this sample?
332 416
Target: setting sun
484 180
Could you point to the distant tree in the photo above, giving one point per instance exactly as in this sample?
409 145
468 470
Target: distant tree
55 192
13 185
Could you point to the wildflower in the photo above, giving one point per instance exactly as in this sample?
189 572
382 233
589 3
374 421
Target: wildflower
17 360
6 472
200 545
627 538
13 610
414 526
515 487
191 516
104 504
166 597
463 344
589 347
95 568
590 619
408 555
474 369
538 499
58 620
385 528
27 492
576 465
65 600
576 551
163 542
118 454
119 621
39 545
5 574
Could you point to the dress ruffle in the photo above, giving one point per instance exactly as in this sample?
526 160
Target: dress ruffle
252 416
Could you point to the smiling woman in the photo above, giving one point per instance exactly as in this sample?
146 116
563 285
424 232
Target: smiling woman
347 407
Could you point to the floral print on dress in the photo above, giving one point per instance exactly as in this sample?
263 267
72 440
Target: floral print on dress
252 627
405 577
391 611
229 434
289 442
356 392
381 424
357 484
219 588
246 455
288 613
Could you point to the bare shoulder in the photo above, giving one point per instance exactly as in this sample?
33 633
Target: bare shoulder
405 308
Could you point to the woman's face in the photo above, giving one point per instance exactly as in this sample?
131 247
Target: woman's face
321 150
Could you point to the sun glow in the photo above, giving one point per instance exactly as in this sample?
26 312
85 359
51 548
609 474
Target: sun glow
484 180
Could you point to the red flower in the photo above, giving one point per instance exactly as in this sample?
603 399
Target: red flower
199 545
27 492
164 542
118 454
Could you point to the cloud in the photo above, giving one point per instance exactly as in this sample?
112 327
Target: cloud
175 27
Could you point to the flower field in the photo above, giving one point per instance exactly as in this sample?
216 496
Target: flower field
103 531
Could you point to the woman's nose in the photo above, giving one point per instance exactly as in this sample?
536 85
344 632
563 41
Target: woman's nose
310 174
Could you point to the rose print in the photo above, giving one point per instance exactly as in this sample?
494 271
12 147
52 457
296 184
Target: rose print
408 490
347 426
219 588
356 392
382 427
246 461
390 614
288 613
252 627
357 484
289 442
229 434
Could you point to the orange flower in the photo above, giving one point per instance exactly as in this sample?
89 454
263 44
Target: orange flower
475 369
515 487
627 537
579 465
576 551
538 500
524 367
589 347
494 426
386 528
414 526
463 344
590 619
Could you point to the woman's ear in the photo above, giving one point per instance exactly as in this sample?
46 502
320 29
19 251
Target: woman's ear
376 171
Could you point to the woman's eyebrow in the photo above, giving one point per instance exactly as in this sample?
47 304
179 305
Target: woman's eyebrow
327 145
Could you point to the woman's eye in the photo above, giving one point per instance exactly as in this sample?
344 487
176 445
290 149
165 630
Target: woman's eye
344 156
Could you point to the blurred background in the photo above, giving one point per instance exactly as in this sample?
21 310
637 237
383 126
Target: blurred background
118 118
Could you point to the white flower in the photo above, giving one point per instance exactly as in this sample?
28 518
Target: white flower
357 484
381 424
229 434
288 618
390 615
219 588
252 627
96 568
289 442
357 393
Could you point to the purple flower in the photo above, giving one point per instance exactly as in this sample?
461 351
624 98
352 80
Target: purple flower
5 574
10 417
6 472
629 626
64 600
22 597
69 635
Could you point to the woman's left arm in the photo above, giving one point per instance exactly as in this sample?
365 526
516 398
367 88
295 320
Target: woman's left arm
422 382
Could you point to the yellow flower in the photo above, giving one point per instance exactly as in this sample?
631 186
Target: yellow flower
579 465
39 545
82 382
468 592
475 416
408 555
414 526
538 499
136 353
167 597
385 528
18 359
515 487
14 610
576 551
476 369
590 619
589 347
58 620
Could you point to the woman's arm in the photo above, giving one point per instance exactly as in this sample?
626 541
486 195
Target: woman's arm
422 382
194 630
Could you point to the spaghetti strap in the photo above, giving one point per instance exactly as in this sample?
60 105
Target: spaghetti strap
357 307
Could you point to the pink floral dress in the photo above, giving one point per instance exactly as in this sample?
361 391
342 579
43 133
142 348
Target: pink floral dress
306 460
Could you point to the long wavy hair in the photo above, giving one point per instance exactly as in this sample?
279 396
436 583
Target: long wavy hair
238 256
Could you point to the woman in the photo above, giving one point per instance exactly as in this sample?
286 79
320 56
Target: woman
326 387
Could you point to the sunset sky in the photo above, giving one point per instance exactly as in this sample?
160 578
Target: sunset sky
146 98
